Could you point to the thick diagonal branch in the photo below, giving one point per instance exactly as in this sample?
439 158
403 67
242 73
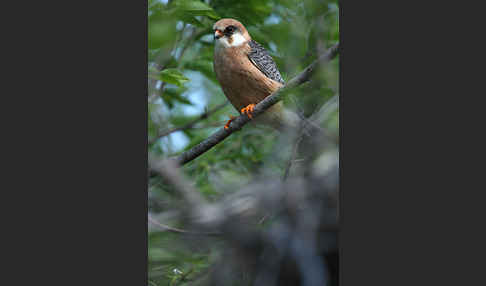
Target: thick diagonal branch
263 105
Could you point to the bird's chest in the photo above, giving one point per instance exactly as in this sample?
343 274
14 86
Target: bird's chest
242 83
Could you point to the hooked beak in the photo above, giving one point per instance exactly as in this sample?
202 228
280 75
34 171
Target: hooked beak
218 34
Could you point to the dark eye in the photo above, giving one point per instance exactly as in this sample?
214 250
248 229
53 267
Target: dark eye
229 29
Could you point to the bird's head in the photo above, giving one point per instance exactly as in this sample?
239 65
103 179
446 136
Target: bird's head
230 33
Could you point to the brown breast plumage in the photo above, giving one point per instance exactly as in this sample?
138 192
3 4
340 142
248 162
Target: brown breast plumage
241 81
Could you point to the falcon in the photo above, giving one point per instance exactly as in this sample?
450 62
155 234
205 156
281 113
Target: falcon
247 74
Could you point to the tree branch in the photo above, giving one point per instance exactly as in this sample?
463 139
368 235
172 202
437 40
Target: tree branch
168 169
318 117
263 105
292 156
199 209
326 110
189 124
164 227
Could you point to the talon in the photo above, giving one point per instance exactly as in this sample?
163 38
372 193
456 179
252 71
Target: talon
248 110
226 126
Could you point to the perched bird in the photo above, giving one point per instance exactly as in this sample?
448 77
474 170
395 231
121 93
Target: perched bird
248 74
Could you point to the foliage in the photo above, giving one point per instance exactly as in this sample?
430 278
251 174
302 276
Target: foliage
182 85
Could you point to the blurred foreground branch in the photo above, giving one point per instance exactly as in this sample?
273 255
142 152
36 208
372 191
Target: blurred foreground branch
301 240
270 100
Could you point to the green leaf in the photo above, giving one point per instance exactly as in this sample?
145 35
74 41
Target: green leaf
196 8
172 95
191 20
161 32
173 76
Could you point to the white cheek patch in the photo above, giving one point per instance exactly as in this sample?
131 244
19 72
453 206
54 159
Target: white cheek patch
237 40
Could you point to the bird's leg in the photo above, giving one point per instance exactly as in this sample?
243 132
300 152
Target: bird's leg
248 110
226 126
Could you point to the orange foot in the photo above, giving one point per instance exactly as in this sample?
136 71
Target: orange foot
248 110
226 126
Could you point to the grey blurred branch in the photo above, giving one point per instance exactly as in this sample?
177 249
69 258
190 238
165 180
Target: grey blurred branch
304 210
303 231
251 200
198 208
270 100
256 198
169 171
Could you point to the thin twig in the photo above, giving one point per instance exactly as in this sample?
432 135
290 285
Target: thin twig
263 105
317 117
326 110
165 227
295 147
190 124
178 230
